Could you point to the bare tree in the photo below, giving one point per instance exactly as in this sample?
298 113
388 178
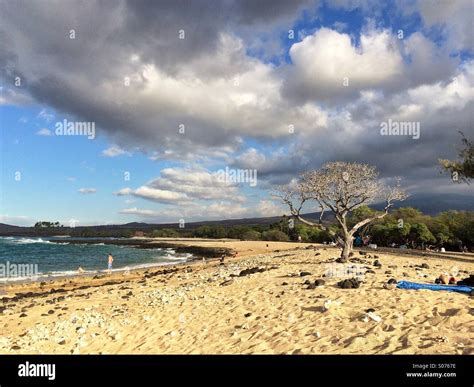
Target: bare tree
340 187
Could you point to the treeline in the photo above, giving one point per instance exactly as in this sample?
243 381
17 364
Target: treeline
453 230
279 231
406 227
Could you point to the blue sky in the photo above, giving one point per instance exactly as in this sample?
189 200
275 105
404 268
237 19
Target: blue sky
238 84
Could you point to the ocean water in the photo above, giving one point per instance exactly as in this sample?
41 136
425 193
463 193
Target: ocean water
49 259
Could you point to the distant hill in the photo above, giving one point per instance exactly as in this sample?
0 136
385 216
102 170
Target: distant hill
431 204
427 203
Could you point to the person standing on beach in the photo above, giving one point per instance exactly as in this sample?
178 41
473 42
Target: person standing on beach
110 261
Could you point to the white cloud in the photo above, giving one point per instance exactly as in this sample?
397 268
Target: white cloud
48 117
140 212
44 132
86 191
270 208
114 151
180 185
322 62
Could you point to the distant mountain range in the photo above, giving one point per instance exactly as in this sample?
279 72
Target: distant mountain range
427 203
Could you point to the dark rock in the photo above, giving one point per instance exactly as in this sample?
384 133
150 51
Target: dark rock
23 315
62 342
319 282
362 253
307 282
304 273
247 314
341 260
352 283
377 263
284 284
425 266
228 282
51 311
311 286
376 256
369 271
370 310
252 270
16 348
392 281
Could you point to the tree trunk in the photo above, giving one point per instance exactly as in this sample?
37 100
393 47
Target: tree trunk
347 249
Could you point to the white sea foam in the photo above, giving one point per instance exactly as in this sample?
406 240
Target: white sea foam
29 241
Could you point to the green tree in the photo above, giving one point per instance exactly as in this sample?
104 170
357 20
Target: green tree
251 235
275 235
463 168
420 234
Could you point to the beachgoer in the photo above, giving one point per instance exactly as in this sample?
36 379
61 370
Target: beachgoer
110 261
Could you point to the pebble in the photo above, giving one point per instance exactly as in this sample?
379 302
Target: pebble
329 304
372 316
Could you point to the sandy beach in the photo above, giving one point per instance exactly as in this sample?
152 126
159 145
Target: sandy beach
263 302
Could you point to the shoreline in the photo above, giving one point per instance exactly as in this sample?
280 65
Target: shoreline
193 260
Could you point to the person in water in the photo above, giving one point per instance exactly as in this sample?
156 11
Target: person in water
109 266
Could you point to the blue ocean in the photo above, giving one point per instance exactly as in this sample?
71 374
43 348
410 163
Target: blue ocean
58 259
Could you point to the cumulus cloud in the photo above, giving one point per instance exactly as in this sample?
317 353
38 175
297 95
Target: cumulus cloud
184 185
327 63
